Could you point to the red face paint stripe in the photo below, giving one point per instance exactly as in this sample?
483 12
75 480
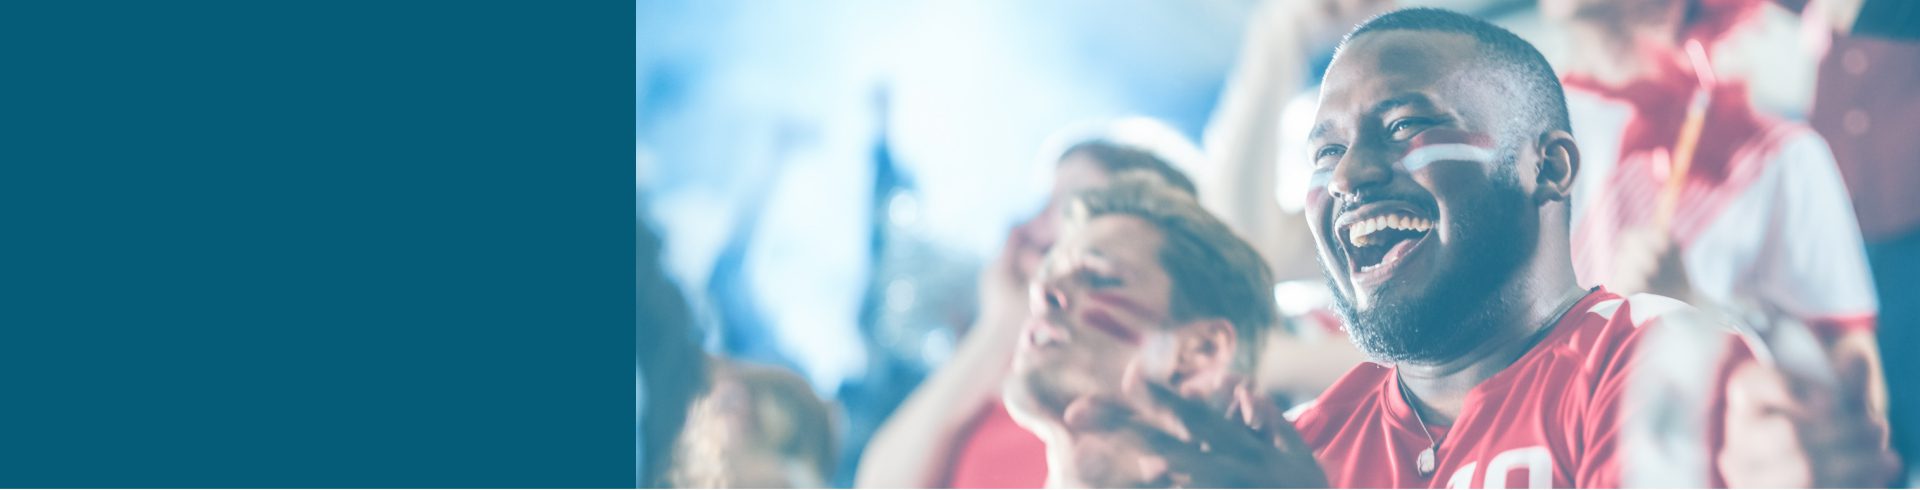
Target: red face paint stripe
1318 191
1105 323
1125 305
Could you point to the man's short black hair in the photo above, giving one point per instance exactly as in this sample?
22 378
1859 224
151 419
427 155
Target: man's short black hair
1523 65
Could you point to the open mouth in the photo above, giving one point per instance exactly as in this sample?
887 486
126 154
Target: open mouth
1381 239
1041 333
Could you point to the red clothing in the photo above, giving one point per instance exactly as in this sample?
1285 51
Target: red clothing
1552 419
997 453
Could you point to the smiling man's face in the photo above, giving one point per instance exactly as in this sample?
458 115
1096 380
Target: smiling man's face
1418 204
1101 294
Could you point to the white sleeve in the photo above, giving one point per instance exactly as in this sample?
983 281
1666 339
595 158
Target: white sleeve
1812 262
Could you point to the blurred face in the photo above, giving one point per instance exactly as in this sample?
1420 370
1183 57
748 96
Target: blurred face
1076 172
1418 214
1100 297
1565 10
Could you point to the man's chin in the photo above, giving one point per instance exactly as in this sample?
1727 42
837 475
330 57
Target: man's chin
1028 409
1395 326
1042 395
1367 302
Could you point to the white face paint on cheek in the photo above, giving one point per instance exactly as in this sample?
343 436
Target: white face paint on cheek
1447 144
1420 158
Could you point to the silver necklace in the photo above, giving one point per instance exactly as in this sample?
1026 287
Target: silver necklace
1428 459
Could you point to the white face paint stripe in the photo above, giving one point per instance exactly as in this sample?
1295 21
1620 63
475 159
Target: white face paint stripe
1423 156
1417 159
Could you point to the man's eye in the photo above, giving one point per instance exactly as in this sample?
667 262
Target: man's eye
1097 281
1405 128
1328 154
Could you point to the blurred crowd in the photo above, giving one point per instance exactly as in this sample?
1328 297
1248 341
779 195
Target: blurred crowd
1593 243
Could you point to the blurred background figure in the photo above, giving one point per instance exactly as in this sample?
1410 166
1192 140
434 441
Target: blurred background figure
1255 180
1690 191
830 177
1867 109
671 365
954 431
757 427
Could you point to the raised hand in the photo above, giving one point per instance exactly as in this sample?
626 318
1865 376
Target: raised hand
1175 442
1787 432
1647 260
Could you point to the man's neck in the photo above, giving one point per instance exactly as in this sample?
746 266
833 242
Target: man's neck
1545 288
1059 453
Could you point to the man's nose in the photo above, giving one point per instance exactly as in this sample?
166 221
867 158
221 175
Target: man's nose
1359 170
1049 294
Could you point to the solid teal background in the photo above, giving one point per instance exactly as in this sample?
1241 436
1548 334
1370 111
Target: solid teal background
316 244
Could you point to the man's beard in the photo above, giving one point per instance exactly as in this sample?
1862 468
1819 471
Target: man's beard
1457 313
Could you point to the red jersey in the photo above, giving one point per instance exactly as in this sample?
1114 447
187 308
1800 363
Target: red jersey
997 453
1550 420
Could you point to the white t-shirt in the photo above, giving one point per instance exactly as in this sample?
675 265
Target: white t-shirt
1778 230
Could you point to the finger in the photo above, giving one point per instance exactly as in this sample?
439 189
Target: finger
1759 390
1246 407
1096 413
1287 437
1269 420
1189 411
1226 475
1856 378
1862 471
1162 443
1135 385
1204 426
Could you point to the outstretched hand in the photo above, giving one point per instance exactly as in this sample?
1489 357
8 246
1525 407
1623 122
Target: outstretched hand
1787 432
1647 260
1166 440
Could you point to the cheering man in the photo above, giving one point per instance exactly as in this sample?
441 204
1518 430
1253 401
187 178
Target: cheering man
1146 299
1444 165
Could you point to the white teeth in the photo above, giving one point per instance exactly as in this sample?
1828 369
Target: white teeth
1360 232
1049 335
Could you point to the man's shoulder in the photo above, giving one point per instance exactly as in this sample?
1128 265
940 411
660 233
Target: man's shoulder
1609 317
1344 399
1634 310
1614 327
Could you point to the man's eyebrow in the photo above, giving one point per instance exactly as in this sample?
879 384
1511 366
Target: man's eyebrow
1319 129
1397 102
1382 107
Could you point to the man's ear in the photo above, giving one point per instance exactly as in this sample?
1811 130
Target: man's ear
1204 355
1559 164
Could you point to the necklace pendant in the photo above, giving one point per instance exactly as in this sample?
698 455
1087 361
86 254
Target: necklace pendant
1425 463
